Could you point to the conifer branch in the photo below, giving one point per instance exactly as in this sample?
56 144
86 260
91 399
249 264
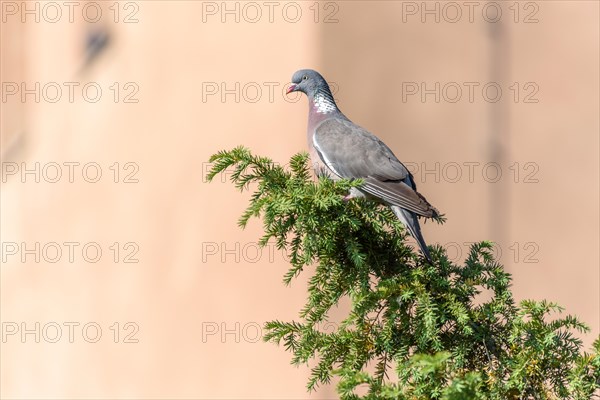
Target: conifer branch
409 318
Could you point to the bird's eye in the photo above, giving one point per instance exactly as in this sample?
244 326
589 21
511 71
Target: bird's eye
304 77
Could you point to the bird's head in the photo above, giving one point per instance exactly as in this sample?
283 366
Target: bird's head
307 81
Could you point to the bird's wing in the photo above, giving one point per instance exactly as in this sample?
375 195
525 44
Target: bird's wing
352 152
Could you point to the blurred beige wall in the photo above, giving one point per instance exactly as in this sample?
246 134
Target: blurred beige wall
200 287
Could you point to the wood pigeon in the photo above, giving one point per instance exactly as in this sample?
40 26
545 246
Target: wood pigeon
341 149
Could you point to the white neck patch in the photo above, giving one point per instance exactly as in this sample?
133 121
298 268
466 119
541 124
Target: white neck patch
323 104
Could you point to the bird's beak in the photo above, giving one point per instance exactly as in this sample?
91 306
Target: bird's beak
291 88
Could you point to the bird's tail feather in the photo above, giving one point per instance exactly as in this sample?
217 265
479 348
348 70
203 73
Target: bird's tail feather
411 222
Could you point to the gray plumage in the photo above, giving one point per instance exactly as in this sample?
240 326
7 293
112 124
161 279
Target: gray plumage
341 149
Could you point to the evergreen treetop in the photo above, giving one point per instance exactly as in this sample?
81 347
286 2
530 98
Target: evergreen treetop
414 330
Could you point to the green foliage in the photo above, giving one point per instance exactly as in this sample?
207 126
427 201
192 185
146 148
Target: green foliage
415 330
